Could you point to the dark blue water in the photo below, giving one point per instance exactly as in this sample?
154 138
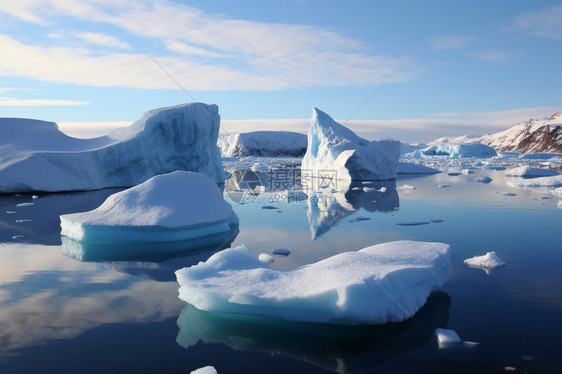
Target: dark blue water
98 312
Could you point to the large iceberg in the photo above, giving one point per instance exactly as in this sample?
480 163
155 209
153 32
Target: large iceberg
36 156
263 143
171 207
383 283
464 150
336 149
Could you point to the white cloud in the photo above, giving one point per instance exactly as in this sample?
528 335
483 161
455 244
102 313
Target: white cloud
545 22
10 101
102 39
90 129
237 54
450 42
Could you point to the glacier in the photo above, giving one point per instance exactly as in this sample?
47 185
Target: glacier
382 283
463 150
263 144
335 148
170 207
36 156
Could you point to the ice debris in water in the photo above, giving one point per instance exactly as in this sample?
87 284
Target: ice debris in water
281 252
382 283
487 262
266 259
205 370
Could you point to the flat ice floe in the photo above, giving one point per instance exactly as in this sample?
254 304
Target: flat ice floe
487 262
336 149
552 181
528 171
383 283
171 207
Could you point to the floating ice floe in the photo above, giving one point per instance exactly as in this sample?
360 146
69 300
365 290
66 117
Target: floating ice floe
282 252
378 284
266 259
411 168
448 338
333 147
406 187
22 205
36 156
552 181
487 262
528 171
170 207
464 150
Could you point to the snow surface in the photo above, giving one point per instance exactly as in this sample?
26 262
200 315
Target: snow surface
383 283
489 261
36 156
464 150
263 143
170 207
205 370
528 171
333 147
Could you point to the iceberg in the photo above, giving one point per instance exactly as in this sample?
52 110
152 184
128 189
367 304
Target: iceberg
205 370
170 207
382 283
36 156
335 148
263 144
552 181
487 262
528 171
464 150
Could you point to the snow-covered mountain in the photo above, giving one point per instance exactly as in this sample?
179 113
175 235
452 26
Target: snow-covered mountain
532 136
263 143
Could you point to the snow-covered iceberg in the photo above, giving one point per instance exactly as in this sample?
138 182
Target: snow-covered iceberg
464 150
263 143
335 148
528 171
170 207
487 262
36 156
383 283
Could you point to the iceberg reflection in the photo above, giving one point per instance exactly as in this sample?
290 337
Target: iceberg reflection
344 349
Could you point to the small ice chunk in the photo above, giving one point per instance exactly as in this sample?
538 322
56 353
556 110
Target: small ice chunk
17 237
281 252
487 262
369 189
21 205
22 220
444 185
467 171
383 189
34 197
445 336
266 259
205 370
406 187
509 194
11 212
357 188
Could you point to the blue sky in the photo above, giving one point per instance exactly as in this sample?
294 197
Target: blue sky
472 66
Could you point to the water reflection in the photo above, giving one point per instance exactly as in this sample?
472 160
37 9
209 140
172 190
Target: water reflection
326 207
344 349
39 223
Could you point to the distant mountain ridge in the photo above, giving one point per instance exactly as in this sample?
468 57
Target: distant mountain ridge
532 136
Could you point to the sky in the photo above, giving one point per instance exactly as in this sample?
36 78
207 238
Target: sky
411 70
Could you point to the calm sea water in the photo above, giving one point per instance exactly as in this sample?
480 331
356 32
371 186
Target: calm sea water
77 310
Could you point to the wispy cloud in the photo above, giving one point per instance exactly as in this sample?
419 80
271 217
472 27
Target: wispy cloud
450 42
206 51
102 39
10 101
494 55
545 22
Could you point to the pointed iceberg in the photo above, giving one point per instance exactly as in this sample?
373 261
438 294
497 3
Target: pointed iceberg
336 149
